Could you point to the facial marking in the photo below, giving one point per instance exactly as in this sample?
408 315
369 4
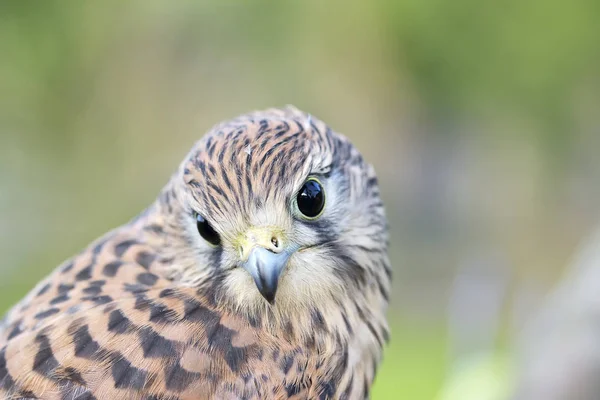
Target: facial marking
245 176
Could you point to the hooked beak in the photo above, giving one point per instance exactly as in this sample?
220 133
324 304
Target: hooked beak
266 267
264 257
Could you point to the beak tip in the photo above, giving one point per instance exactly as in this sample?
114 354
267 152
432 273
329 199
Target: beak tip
266 267
269 297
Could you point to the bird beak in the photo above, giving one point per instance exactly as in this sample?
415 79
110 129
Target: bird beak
264 257
266 267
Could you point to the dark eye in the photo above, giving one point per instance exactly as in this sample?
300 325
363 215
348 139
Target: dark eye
311 199
207 231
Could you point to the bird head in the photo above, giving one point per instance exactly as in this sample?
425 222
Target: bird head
274 211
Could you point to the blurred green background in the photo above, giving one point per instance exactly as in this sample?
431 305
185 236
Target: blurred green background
481 119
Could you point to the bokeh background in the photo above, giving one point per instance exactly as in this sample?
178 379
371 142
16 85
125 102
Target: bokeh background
481 119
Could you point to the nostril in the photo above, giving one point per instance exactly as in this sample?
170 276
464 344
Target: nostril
275 242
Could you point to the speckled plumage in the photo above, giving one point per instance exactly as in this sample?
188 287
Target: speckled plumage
151 311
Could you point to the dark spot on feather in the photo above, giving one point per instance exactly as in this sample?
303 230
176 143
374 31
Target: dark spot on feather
195 312
226 179
318 320
111 268
98 247
249 186
319 363
142 302
254 320
246 377
286 363
160 397
122 247
375 333
372 181
25 395
155 345
288 332
46 313
202 167
66 268
6 380
44 289
167 293
211 150
147 278
388 271
59 299
125 375
92 290
85 345
178 379
83 396
16 331
347 323
351 268
145 259
154 228
135 288
382 290
118 323
220 338
327 390
73 375
44 362
310 342
161 313
344 362
293 389
103 299
84 274
216 188
64 288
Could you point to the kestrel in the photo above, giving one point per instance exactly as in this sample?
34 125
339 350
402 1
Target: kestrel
260 272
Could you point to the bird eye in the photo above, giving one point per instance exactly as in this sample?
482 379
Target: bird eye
206 231
311 199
